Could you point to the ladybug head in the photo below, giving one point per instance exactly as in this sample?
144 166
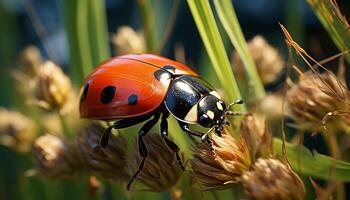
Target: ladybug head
211 111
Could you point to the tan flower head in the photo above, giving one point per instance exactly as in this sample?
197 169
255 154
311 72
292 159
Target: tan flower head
267 59
109 162
272 179
127 41
255 131
55 157
53 88
313 97
222 167
272 106
161 170
16 131
31 60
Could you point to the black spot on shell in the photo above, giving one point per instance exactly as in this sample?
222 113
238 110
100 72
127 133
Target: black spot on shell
84 93
132 100
107 94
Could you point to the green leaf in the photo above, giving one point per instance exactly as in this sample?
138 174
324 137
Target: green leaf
334 21
314 164
207 27
229 20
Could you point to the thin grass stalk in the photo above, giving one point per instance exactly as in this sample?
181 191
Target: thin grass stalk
148 23
228 18
98 31
334 21
212 40
77 22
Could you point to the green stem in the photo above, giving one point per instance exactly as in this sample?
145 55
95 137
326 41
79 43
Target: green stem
147 20
230 22
66 129
98 31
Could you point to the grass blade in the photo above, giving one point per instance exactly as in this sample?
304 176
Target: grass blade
98 31
334 21
212 40
230 22
314 164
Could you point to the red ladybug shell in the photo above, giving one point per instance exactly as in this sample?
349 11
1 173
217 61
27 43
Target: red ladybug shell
126 86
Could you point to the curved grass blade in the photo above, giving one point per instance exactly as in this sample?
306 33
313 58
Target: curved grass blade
334 21
314 164
207 27
229 20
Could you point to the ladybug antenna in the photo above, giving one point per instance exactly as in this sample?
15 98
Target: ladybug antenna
105 137
239 101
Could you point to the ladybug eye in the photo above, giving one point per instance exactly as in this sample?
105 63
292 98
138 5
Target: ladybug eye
205 120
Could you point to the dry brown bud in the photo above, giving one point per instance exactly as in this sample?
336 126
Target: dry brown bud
313 97
53 88
272 179
31 60
272 106
16 131
255 131
222 167
127 41
109 162
267 59
161 170
55 157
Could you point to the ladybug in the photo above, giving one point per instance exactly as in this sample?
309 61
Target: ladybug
132 89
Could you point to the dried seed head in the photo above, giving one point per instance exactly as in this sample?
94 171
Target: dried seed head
271 179
313 97
31 60
127 41
53 88
109 162
255 131
16 131
161 170
55 157
222 167
272 106
268 60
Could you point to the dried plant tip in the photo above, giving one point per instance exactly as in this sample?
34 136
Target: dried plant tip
109 162
16 130
255 131
127 41
222 167
272 179
53 88
268 60
272 106
313 97
55 157
31 60
161 170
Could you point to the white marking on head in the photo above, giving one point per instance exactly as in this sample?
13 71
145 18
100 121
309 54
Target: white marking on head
210 114
214 93
192 115
165 77
218 104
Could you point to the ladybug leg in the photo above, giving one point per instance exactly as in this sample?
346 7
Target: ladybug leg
142 146
119 125
204 137
171 144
